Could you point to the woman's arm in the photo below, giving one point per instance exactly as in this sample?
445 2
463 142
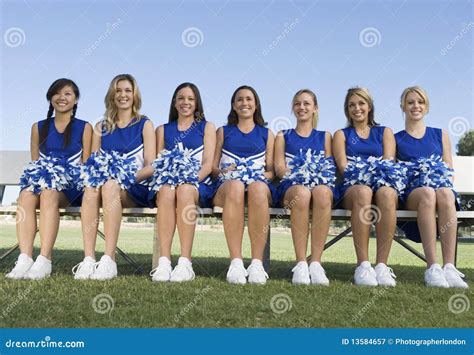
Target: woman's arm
218 153
86 142
149 151
269 173
339 150
328 144
34 142
209 151
389 144
280 161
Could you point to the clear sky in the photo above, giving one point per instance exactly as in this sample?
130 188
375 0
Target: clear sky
277 47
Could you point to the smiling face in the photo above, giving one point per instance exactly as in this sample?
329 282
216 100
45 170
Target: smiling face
123 98
244 104
358 109
414 106
304 107
185 102
64 100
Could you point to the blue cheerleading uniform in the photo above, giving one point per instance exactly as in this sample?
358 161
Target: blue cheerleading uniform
304 148
53 148
366 165
128 142
191 140
247 153
361 147
423 158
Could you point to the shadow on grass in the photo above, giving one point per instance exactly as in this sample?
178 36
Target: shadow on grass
216 267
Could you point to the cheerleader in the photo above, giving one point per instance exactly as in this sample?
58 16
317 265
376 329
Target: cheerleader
303 161
364 153
427 154
243 165
181 179
58 144
114 175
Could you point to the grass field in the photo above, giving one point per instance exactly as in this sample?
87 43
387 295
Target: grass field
208 301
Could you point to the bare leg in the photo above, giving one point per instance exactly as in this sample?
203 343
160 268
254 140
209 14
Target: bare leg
90 219
259 199
297 198
423 200
50 201
447 223
26 221
166 218
186 200
386 200
322 202
357 198
231 197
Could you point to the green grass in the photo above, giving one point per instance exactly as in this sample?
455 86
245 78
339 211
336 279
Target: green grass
209 301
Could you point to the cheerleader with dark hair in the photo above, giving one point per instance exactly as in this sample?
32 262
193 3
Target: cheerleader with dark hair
58 145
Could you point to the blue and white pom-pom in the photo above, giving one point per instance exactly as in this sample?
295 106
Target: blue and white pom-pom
310 169
375 172
358 172
102 166
431 172
46 173
388 173
247 171
175 167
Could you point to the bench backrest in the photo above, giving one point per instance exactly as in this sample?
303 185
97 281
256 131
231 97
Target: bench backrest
12 163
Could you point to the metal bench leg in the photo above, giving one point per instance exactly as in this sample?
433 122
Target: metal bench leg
456 246
138 267
266 252
409 248
156 248
9 251
333 241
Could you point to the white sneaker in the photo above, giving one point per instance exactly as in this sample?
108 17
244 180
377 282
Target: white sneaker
317 274
256 272
365 275
105 269
183 271
237 273
162 272
40 269
22 265
434 277
454 276
84 269
301 274
385 275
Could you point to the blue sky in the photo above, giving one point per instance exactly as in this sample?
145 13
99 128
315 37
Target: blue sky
277 47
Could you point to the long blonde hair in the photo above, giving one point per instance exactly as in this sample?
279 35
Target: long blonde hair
110 116
313 95
364 94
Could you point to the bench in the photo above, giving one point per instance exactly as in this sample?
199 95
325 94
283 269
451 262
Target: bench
13 162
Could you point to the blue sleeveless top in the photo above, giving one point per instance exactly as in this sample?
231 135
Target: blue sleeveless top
364 148
238 145
192 138
54 145
294 142
410 148
127 141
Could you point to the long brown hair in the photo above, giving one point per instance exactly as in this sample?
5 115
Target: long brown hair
233 118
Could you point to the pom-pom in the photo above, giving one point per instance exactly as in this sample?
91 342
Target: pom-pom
46 173
175 167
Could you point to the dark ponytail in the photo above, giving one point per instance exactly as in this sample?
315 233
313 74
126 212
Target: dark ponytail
55 87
